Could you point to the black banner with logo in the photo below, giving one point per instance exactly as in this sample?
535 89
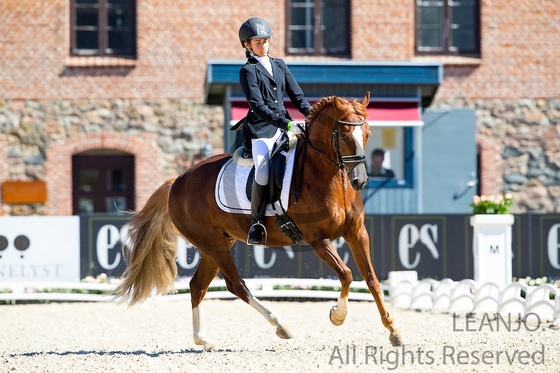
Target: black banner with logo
436 246
101 238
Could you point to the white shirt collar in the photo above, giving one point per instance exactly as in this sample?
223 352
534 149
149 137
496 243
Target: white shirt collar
265 61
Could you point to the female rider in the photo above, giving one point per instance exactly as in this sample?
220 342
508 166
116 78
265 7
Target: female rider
264 81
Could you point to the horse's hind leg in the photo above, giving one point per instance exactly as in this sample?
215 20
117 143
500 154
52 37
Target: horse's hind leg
205 273
360 251
236 285
326 252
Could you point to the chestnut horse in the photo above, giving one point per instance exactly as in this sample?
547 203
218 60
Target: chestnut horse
332 171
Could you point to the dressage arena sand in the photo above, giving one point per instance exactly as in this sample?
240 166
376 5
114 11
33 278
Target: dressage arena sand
156 337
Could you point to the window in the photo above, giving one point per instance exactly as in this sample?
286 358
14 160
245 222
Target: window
102 183
448 27
103 28
397 144
318 27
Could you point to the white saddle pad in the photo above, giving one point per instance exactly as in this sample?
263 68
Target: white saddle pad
231 185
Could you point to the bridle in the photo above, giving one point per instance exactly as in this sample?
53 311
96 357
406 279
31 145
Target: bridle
344 159
341 160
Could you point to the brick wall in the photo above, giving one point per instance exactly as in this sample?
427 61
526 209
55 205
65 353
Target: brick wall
4 172
383 30
176 38
520 54
490 166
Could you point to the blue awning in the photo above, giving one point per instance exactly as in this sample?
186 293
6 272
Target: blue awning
426 76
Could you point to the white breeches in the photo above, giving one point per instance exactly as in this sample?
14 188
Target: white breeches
261 156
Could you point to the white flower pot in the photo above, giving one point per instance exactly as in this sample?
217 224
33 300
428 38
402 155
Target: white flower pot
492 248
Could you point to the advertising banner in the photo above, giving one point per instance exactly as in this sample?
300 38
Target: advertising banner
547 229
38 248
69 248
102 238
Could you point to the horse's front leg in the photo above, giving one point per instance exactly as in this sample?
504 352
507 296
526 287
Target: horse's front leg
326 251
359 244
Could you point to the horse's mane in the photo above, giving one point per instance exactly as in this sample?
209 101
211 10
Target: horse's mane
354 107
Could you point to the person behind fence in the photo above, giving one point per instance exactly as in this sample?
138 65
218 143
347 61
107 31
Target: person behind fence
376 167
264 81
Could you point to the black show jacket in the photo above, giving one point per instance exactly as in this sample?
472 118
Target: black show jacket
265 96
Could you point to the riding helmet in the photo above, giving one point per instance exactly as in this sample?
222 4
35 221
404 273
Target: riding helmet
254 28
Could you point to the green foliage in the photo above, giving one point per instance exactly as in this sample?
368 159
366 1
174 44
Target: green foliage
529 281
492 204
538 281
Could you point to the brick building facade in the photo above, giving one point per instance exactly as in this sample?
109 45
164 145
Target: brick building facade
54 105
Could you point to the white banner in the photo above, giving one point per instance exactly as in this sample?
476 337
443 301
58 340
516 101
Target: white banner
39 248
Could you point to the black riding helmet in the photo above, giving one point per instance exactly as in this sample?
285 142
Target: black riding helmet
254 28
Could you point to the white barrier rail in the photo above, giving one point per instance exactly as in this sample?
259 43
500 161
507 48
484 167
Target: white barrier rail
260 287
469 297
403 291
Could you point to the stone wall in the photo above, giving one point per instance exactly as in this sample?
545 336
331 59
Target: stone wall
525 134
518 140
183 131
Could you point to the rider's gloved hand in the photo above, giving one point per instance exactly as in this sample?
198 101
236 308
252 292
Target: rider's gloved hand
296 126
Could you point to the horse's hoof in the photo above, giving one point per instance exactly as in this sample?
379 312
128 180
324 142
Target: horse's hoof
284 332
336 320
208 346
397 339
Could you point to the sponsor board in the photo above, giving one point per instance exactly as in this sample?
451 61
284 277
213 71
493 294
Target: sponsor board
66 248
35 248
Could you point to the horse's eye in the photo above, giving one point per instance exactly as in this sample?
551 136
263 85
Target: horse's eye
345 138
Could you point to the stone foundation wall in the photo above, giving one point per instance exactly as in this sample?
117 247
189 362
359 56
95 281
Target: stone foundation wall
518 140
525 136
183 131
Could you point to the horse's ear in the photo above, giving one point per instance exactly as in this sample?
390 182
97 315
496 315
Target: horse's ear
365 101
338 103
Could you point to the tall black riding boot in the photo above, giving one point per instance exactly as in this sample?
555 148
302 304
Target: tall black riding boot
257 232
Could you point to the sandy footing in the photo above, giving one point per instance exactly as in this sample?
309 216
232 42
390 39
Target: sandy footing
157 337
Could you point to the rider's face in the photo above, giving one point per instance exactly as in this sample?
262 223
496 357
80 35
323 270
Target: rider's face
259 46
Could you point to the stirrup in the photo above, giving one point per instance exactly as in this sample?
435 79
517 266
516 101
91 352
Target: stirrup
257 234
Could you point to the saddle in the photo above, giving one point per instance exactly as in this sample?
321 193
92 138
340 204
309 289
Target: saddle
276 173
277 193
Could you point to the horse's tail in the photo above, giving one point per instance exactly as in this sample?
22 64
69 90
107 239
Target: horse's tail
150 251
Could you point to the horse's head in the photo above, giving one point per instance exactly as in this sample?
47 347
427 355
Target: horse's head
350 132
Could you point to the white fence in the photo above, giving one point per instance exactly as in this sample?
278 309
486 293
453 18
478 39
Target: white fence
260 287
403 291
467 296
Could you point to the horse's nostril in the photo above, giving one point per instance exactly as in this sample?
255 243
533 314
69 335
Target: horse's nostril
357 184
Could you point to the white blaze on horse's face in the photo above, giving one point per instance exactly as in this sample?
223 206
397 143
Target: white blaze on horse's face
358 173
358 135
